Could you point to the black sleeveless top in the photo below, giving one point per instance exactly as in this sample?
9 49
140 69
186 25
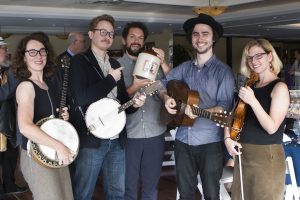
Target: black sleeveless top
253 132
42 105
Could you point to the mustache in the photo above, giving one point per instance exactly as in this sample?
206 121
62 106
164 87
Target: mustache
105 40
137 44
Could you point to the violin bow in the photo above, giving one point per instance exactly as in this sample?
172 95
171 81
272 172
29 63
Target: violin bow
241 174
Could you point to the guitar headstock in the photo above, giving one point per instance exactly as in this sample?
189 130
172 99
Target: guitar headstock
223 118
152 88
65 62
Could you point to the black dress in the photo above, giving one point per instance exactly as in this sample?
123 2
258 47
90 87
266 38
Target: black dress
45 183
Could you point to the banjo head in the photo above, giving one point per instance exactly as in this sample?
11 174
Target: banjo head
103 120
61 130
54 128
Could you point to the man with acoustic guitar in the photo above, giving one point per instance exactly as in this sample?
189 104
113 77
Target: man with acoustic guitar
199 147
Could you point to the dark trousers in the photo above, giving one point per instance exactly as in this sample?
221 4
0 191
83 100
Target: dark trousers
144 157
8 161
206 160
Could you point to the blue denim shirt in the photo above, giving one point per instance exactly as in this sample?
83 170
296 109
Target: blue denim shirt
215 85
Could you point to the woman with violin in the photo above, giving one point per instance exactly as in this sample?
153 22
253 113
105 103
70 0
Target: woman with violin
266 105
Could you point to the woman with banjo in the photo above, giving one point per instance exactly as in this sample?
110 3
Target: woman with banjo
37 98
260 148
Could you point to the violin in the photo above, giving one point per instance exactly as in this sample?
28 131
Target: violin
240 111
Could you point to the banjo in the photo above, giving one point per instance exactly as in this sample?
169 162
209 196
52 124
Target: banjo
106 118
57 128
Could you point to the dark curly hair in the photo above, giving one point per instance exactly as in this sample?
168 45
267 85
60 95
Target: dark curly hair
20 68
135 25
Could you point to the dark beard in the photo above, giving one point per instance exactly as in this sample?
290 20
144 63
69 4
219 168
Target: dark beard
134 53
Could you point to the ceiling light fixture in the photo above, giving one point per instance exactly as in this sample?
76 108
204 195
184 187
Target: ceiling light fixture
210 10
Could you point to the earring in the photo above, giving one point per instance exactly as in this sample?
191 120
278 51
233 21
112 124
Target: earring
271 67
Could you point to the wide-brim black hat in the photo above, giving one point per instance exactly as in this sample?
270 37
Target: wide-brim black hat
203 19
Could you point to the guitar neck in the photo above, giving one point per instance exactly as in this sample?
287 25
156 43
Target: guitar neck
64 91
201 112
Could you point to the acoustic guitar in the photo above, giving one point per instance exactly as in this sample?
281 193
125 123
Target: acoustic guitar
183 96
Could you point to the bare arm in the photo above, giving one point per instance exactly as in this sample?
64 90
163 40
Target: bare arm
25 96
164 65
279 106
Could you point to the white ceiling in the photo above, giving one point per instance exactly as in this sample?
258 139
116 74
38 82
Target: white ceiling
266 18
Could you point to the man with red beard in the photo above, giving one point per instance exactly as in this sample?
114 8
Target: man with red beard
145 135
93 76
199 148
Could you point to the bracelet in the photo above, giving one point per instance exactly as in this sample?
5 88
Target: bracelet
226 138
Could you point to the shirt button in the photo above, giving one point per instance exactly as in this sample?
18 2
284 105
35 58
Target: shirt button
190 128
144 111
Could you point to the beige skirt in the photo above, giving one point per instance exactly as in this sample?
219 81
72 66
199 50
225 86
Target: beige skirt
46 183
263 169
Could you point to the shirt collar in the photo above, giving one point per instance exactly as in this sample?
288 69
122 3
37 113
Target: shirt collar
100 59
70 52
208 63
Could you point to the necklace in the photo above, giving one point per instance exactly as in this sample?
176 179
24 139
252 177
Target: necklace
52 110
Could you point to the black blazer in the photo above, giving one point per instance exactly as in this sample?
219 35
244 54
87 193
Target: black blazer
88 87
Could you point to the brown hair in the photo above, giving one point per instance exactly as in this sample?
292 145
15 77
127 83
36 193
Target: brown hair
96 20
20 68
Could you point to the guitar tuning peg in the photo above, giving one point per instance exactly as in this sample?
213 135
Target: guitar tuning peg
218 124
225 111
222 126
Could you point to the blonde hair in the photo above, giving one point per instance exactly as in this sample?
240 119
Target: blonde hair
276 63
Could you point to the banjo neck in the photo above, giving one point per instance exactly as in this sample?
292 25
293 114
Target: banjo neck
125 106
65 65
147 90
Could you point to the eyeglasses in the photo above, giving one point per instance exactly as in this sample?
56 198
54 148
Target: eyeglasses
104 33
34 52
257 56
